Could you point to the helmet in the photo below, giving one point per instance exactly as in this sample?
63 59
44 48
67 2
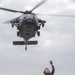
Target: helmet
46 71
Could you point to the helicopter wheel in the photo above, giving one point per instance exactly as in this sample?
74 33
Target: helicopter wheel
42 25
12 25
17 33
38 33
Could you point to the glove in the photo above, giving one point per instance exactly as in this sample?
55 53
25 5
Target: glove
51 62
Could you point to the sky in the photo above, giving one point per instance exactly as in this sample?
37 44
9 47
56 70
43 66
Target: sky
56 42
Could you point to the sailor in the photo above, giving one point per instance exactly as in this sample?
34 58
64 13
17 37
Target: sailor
47 71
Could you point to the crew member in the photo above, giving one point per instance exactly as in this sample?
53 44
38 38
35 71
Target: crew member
48 72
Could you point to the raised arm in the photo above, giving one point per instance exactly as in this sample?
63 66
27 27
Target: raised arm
53 69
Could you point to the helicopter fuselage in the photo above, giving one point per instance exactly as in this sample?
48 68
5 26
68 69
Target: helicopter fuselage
27 26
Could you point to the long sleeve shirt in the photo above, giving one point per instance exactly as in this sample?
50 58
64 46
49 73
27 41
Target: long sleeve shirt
53 70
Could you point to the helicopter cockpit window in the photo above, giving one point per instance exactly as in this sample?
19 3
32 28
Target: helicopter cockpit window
35 16
29 16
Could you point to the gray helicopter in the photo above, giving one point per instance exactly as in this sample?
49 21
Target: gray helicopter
28 25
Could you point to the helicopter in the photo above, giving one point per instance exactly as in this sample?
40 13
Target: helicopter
28 25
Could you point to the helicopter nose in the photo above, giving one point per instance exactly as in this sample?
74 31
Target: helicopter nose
30 20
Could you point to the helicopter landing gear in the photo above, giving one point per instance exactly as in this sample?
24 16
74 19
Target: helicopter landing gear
38 33
18 33
12 25
43 25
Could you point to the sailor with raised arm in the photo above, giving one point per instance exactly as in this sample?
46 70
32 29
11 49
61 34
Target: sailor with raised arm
47 71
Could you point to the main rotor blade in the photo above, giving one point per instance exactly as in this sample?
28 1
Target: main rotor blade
43 1
10 10
54 15
12 20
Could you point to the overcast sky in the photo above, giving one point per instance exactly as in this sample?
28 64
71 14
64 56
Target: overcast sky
57 40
